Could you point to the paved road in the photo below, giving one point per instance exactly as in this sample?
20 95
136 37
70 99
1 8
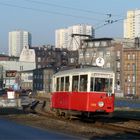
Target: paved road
13 131
129 103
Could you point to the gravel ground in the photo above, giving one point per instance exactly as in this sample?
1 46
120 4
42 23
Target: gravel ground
58 125
51 123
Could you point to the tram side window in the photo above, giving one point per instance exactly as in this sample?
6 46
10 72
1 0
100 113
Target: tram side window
57 84
67 83
62 84
75 80
92 84
83 83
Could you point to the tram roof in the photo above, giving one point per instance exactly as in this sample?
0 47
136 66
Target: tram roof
84 70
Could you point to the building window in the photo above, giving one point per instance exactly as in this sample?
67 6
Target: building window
118 76
41 76
34 85
133 90
118 64
94 54
128 56
128 78
103 43
39 59
128 66
133 56
71 60
90 44
128 90
37 85
101 54
81 55
21 68
97 44
108 65
118 53
134 67
133 78
108 53
87 54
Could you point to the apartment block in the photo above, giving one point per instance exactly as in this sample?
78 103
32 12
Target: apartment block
64 38
17 40
132 24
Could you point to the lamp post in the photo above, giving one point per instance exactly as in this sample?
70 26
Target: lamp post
135 79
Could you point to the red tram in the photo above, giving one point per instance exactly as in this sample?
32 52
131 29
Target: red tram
83 90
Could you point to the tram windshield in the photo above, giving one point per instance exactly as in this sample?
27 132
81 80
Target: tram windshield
101 84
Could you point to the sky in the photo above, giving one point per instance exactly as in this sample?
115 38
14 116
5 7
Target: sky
42 17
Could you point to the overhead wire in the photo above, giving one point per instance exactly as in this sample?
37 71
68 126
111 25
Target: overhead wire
76 9
58 13
47 11
113 21
66 7
106 21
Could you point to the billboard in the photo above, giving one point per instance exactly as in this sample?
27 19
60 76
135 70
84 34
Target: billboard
11 73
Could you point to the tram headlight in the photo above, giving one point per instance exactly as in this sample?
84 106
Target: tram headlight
100 104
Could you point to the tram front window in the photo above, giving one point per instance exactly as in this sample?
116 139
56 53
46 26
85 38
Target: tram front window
101 84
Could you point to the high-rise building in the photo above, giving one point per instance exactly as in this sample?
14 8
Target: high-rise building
64 39
61 38
132 24
17 40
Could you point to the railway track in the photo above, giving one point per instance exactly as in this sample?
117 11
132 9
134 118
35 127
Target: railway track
117 125
101 125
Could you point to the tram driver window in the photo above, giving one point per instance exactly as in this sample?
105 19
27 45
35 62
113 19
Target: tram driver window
98 84
101 84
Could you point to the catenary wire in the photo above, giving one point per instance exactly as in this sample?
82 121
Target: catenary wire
46 11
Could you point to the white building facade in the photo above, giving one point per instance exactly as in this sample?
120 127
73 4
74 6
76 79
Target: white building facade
132 24
64 39
17 40
27 55
61 38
